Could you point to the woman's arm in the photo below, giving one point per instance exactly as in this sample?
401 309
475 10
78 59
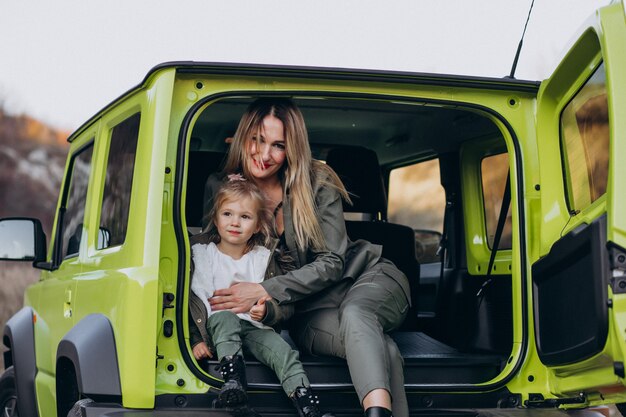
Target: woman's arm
323 268
276 314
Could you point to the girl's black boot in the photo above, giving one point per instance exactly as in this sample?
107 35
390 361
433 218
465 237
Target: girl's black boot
307 403
233 391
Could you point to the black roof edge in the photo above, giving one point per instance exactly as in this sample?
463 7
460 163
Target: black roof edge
197 67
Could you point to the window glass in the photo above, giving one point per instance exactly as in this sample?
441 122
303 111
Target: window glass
75 201
585 143
493 171
118 183
417 200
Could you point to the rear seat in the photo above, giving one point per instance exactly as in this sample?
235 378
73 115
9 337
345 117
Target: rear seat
360 172
201 165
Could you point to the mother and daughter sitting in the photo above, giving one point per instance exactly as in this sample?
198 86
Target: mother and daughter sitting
277 213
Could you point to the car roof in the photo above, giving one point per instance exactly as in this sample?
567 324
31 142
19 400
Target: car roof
347 74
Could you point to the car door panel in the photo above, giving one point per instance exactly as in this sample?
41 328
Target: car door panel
577 316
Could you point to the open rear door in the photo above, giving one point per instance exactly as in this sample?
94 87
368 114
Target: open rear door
578 279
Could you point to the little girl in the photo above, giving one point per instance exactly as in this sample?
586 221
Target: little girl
236 250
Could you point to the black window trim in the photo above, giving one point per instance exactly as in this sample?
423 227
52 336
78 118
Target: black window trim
57 250
110 128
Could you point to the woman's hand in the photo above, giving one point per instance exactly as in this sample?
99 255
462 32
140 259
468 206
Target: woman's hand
201 351
238 298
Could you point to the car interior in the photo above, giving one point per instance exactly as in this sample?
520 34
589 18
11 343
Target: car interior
452 334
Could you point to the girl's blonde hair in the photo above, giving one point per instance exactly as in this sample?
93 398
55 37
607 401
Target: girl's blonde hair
299 171
237 189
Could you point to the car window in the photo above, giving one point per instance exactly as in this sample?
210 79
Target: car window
118 183
73 205
493 171
585 143
417 199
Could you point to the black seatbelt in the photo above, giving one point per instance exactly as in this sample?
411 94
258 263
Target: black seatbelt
443 243
504 209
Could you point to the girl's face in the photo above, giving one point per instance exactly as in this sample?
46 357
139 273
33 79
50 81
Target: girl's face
236 222
266 149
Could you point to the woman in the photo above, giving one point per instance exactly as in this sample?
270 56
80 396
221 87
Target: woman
348 296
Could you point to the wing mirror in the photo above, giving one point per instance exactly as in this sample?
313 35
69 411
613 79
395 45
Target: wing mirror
22 239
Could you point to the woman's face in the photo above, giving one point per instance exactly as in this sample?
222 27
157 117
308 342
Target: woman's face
266 149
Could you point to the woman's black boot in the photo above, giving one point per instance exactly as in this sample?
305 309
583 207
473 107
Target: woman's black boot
233 391
378 412
307 403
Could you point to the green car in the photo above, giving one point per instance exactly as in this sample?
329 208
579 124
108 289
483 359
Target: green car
499 199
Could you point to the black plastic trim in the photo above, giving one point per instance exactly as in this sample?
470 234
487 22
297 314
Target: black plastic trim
184 406
90 346
618 256
570 292
20 334
57 249
182 253
378 76
346 403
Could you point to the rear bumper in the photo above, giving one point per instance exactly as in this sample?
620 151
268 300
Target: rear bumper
111 410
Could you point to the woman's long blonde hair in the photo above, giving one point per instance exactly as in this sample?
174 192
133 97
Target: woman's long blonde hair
299 171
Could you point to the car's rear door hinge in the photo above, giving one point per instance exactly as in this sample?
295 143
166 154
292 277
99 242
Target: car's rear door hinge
537 401
617 259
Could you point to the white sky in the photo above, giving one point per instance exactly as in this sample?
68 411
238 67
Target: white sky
62 61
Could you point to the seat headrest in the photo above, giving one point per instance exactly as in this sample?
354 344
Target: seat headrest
201 165
359 170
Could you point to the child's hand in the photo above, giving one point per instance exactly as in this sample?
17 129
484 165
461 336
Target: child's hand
201 351
257 312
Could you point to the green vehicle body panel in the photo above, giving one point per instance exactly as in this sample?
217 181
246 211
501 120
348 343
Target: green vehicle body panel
121 282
